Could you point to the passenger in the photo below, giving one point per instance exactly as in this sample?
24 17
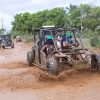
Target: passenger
58 42
67 39
71 40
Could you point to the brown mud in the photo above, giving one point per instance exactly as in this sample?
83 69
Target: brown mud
20 82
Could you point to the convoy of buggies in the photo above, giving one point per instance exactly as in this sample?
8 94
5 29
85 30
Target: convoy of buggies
55 48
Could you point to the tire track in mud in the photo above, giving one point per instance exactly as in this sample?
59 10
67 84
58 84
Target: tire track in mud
34 78
20 82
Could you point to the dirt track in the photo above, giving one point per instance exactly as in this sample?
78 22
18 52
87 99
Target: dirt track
19 82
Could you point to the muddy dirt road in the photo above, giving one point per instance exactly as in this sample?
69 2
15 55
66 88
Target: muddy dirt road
19 82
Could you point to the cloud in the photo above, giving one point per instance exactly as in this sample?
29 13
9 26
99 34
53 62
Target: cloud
9 8
7 19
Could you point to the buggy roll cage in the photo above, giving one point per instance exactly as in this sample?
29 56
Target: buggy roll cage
2 36
55 30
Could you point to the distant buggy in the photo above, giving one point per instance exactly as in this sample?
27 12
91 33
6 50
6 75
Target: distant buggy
6 41
18 39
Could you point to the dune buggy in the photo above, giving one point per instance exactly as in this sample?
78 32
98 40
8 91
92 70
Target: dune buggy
57 47
6 40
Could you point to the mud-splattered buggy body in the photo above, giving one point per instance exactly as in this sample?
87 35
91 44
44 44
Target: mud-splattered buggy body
48 54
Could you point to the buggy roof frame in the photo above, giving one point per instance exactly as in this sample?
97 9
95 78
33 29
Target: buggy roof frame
5 34
55 29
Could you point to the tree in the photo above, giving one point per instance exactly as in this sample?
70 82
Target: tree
85 14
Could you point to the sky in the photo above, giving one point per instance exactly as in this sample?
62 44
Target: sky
9 8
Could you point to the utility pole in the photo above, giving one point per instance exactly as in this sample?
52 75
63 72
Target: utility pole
2 23
81 24
81 19
83 15
66 12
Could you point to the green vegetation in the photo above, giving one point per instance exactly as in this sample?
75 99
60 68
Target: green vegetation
84 16
26 22
2 31
95 42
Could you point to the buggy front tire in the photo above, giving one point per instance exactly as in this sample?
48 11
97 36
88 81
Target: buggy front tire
52 66
95 62
30 58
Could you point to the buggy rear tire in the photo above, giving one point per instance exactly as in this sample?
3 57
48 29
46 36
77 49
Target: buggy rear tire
95 62
30 57
52 66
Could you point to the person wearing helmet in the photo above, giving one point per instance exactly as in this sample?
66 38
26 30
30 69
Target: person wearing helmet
67 39
49 40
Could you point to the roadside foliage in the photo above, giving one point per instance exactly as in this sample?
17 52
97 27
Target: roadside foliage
84 16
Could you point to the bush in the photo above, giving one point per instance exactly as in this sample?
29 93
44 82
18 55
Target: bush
15 33
88 33
27 38
98 30
95 42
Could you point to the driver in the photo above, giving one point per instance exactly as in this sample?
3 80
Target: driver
49 40
48 45
69 38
